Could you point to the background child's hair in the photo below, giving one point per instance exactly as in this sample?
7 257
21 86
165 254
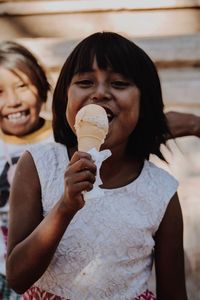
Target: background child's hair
122 56
14 56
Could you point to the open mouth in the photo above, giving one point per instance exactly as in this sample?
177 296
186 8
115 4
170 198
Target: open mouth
109 113
18 117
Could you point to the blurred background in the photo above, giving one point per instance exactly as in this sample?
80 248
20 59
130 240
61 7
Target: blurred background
169 31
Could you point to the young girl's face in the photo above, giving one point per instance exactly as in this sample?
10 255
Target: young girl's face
118 95
19 103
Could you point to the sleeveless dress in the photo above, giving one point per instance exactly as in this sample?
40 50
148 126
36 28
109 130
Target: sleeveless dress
107 249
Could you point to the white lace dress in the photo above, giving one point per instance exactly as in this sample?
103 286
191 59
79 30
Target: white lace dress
106 251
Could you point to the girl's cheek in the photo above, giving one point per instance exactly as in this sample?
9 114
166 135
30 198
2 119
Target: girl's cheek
69 117
1 106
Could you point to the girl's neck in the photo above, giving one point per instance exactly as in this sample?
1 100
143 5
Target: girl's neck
39 124
120 169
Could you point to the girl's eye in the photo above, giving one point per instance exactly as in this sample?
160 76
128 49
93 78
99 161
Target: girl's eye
120 84
21 85
84 83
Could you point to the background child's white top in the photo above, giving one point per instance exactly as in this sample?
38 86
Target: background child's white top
13 147
106 251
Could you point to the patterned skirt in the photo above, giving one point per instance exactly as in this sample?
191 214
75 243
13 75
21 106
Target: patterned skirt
35 293
6 293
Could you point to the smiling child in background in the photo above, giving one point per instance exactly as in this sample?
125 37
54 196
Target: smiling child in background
23 90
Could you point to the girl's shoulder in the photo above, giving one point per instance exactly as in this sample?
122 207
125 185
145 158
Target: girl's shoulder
158 188
47 147
48 153
156 171
161 182
50 161
158 183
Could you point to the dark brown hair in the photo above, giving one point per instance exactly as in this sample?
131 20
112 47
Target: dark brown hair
114 51
14 56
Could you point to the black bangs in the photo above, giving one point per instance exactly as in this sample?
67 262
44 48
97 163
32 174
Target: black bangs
109 52
118 54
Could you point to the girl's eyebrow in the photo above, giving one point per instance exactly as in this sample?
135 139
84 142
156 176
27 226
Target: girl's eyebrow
19 82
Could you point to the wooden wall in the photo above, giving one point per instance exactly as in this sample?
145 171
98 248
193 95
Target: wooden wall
169 31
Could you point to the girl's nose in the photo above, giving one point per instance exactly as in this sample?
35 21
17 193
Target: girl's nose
13 99
101 92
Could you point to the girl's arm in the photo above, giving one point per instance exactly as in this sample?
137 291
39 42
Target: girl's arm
169 254
183 124
32 239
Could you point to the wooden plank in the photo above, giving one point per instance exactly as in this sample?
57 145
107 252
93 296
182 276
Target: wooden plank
79 25
177 59
74 6
181 87
166 52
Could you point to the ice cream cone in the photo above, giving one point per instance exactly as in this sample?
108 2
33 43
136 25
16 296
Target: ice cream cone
91 126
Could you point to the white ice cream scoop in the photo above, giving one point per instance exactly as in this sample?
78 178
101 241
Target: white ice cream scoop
91 126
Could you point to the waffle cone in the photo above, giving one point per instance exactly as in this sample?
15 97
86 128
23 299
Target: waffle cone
90 136
91 127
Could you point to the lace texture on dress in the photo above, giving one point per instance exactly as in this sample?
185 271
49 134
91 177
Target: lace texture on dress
106 251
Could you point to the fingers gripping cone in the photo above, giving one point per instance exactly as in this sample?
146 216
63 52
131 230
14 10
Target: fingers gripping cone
91 127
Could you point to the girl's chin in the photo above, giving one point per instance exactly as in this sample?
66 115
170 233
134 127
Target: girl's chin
17 129
16 132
